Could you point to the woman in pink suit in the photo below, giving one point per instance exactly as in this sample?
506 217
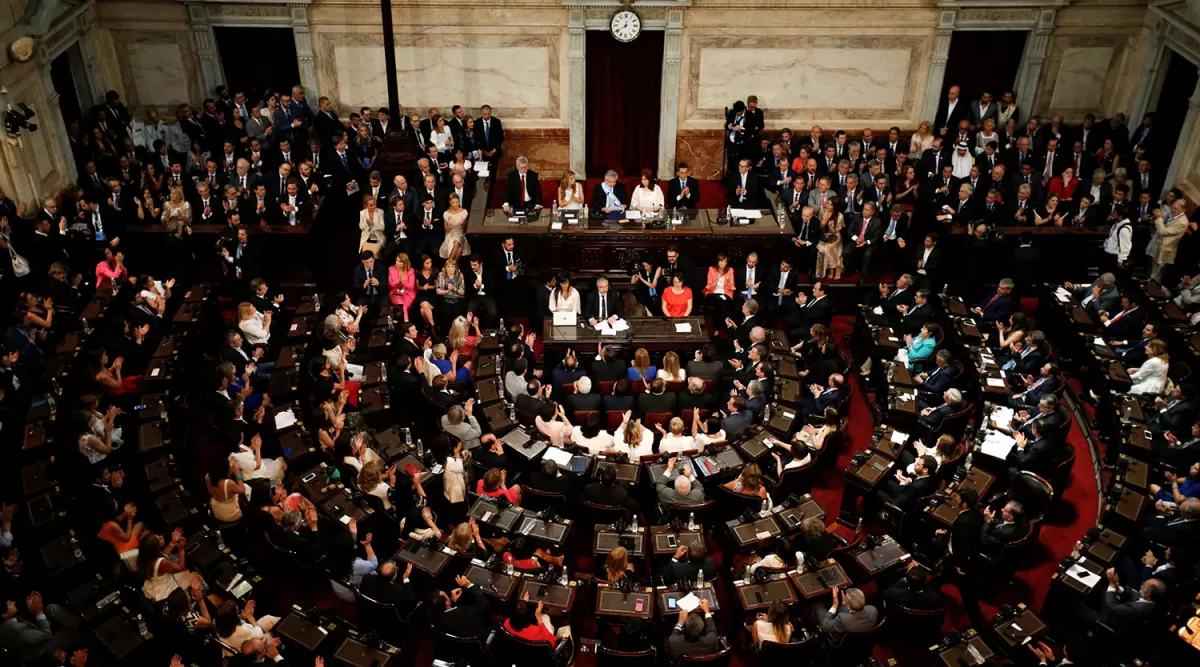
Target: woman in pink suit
402 283
718 289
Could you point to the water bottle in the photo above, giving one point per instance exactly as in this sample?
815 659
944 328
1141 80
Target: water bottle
503 331
766 413
141 623
420 449
700 578
512 412
691 521
633 527
970 460
87 328
389 322
800 567
554 210
220 540
408 436
766 506
562 577
75 548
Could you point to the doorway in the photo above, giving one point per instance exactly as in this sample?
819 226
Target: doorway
984 61
1171 111
624 87
252 69
66 74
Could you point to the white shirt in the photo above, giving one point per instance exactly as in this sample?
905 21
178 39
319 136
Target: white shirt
925 260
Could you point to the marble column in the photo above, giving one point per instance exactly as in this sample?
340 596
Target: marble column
1030 71
304 52
937 65
577 100
1185 137
668 115
60 148
206 48
1156 56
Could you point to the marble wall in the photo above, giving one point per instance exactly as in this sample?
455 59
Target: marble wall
153 52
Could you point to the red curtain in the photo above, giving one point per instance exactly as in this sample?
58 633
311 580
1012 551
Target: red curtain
624 85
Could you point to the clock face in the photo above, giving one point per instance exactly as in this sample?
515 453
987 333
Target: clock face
625 26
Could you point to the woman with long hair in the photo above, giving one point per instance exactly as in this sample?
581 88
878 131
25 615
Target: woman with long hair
829 247
570 192
922 139
451 287
671 370
495 484
647 196
564 298
616 565
402 284
749 482
719 288
591 436
809 440
255 326
647 283
151 179
455 246
1151 376
641 368
946 449
373 480
463 342
158 570
632 439
1049 214
773 626
224 493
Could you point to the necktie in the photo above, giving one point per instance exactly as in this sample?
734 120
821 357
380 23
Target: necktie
602 304
487 130
343 157
862 234
281 184
524 192
990 302
428 219
370 288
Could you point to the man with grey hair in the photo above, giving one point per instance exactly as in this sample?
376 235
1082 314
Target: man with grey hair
523 191
695 398
583 399
952 402
1102 294
755 400
676 486
610 196
850 613
460 422
999 305
601 304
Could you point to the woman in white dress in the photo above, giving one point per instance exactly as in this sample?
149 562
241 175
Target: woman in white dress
671 370
176 209
252 465
373 480
921 141
570 192
370 221
565 298
591 437
647 196
255 326
675 441
632 439
1151 377
454 479
455 220
707 432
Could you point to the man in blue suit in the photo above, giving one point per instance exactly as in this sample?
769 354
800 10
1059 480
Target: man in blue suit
1132 353
824 397
1033 453
999 306
1123 324
737 418
937 380
289 121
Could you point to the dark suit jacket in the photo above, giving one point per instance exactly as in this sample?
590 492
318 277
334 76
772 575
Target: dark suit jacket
687 400
1126 613
591 308
997 533
493 140
709 642
940 379
664 402
512 190
900 595
615 495
1037 456
608 371
906 496
467 618
736 423
582 402
965 535
599 199
752 190
396 593
692 200
999 309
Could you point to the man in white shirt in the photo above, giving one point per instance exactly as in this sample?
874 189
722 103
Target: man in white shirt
1119 244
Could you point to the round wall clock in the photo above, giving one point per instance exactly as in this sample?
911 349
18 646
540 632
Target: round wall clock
625 26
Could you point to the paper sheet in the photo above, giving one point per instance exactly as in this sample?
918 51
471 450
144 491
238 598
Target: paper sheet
997 445
688 602
877 310
560 456
481 168
284 419
685 327
1083 576
750 213
556 225
994 382
899 437
633 215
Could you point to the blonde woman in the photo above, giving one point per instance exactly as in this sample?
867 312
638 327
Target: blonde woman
370 221
455 221
675 441
809 439
671 370
176 209
1151 377
633 439
255 326
374 481
922 139
451 288
616 566
402 283
570 192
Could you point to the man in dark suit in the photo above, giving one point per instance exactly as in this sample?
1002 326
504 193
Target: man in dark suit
824 397
462 613
242 257
619 401
809 310
298 533
534 399
779 288
548 479
911 316
370 284
1006 528
458 186
1045 383
482 285
903 490
1183 531
1034 453
743 187
429 229
1130 613
523 191
327 124
601 304
1123 323
608 367
489 136
383 587
937 380
864 235
913 591
952 110
687 563
695 633
694 397
952 402
736 418
963 551
607 491
583 400
610 197
683 191
566 372
657 399
999 306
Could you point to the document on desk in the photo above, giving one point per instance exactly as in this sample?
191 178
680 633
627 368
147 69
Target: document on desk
997 445
607 329
1062 294
633 215
995 382
1083 576
1002 417
482 168
899 437
688 602
284 419
749 213
683 327
877 310
560 456
901 354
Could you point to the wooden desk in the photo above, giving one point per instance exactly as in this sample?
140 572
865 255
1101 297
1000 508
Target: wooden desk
960 653
627 473
605 540
488 513
753 597
499 585
430 561
886 555
723 461
667 599
648 332
886 443
860 480
789 518
1015 631
638 603
555 598
1136 474
1130 408
341 504
816 583
660 537
901 376
755 532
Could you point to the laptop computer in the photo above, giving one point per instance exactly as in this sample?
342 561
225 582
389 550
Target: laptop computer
568 319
